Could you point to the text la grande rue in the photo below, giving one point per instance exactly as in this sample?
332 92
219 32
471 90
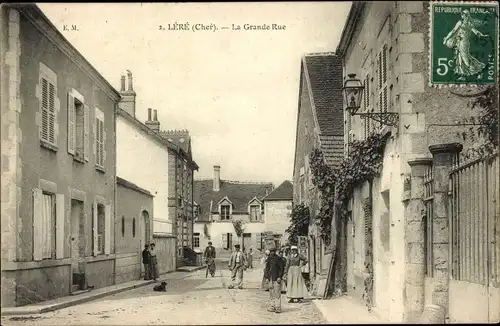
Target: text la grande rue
263 27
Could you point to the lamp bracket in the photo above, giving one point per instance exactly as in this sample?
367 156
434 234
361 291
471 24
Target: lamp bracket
385 118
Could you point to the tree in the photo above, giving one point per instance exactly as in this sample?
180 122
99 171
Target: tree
238 228
299 222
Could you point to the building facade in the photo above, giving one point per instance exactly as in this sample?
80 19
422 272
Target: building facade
168 174
219 203
58 163
386 44
277 210
133 229
319 126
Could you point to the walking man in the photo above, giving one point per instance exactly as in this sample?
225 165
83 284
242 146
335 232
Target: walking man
237 264
275 269
146 261
209 255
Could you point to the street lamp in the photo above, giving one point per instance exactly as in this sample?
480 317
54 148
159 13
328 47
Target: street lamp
353 93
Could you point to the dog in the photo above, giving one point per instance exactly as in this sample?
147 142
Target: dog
162 287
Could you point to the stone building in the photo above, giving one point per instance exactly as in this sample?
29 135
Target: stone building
402 232
219 203
58 163
161 163
133 229
277 210
319 126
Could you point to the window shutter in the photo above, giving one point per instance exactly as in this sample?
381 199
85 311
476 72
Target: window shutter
37 224
52 113
44 107
258 240
107 230
94 143
384 78
86 130
71 124
103 133
60 226
94 229
224 241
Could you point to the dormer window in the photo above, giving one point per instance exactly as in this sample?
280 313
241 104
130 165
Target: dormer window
255 213
225 212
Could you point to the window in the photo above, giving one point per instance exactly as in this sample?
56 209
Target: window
48 110
255 213
101 228
133 228
367 101
48 225
123 226
227 240
78 127
100 138
225 212
196 240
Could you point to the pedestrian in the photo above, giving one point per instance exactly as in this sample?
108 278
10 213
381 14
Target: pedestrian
250 258
265 280
237 264
146 261
209 255
275 272
154 262
283 257
296 287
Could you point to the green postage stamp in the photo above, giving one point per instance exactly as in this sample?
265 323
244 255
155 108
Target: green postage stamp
463 43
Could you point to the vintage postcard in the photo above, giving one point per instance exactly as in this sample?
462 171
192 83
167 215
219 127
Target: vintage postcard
235 163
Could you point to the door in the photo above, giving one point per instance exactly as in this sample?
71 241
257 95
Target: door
144 236
77 239
247 241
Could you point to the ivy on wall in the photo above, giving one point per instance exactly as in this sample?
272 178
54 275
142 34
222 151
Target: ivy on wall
299 222
336 186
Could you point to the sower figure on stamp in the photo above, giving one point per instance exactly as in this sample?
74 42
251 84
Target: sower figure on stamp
275 268
237 264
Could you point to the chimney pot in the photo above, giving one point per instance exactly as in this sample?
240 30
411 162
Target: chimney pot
155 115
130 83
149 114
122 87
216 177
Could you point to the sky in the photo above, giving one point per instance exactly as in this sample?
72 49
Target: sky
236 91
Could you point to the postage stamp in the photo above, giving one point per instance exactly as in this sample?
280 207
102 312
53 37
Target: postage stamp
463 43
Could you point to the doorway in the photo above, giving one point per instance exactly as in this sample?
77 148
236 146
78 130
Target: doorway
77 240
144 237
247 241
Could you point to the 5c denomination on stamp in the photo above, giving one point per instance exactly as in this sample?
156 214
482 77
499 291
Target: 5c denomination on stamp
463 43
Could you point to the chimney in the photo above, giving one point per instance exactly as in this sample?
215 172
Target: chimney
127 103
130 84
153 124
216 177
122 88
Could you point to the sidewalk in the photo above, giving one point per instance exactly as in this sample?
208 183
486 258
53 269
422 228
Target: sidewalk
63 302
346 310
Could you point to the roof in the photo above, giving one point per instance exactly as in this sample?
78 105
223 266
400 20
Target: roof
42 22
158 137
333 149
239 193
352 20
283 192
133 186
324 78
179 137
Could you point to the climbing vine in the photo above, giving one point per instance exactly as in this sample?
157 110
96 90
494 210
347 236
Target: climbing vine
238 228
482 129
299 223
336 185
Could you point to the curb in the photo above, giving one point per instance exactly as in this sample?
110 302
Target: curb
26 310
193 269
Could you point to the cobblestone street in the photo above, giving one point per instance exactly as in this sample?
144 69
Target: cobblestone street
193 300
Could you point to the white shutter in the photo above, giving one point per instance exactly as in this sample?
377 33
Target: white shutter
258 240
107 230
224 241
37 224
86 130
384 79
94 229
71 124
60 223
103 144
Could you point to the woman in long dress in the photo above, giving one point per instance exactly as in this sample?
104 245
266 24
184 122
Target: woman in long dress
459 39
265 280
296 287
154 263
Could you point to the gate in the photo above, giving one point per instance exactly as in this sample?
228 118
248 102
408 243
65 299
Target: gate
474 294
